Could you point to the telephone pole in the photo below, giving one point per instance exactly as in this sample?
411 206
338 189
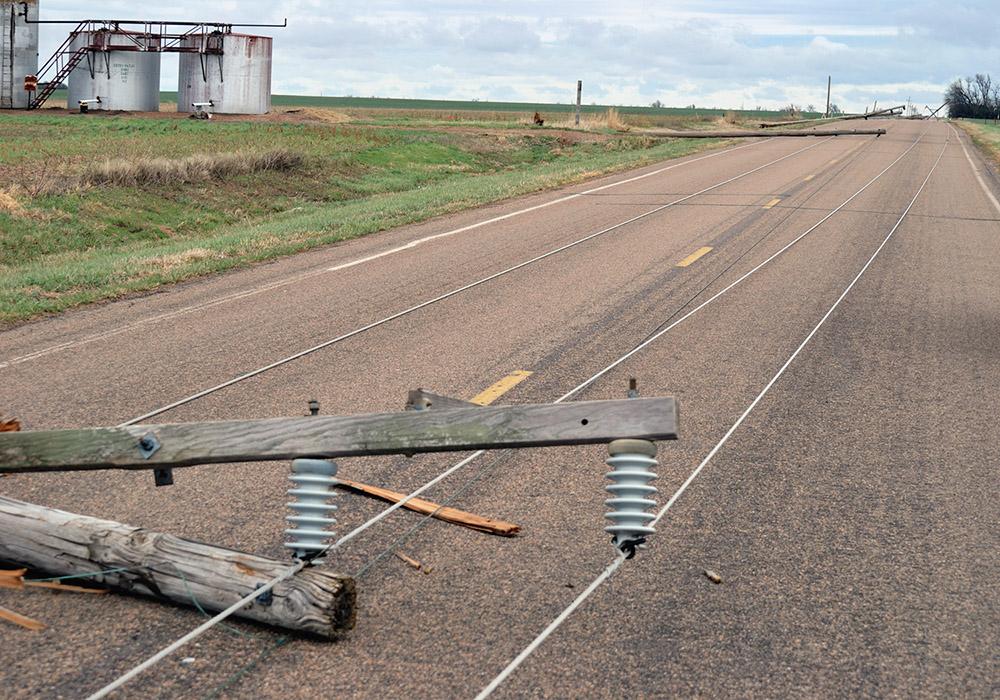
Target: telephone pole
579 92
829 82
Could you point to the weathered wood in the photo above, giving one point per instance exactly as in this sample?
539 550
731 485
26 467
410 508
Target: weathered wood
439 512
446 430
19 619
891 111
314 601
758 134
420 399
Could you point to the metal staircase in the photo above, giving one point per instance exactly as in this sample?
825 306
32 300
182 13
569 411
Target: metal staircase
71 61
63 61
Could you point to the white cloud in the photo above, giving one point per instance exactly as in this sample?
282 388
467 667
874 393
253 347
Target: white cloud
709 52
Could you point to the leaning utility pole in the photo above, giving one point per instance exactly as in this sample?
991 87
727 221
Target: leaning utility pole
829 82
579 92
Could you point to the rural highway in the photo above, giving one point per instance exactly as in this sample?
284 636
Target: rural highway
838 391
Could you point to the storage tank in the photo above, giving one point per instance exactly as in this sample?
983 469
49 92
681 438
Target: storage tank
121 68
235 81
18 51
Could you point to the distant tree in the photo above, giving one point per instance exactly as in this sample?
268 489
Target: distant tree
977 97
810 108
657 105
793 110
835 110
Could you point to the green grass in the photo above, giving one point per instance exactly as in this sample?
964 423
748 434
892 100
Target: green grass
65 243
985 134
545 108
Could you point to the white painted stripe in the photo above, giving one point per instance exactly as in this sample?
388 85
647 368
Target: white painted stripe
447 295
617 562
975 170
353 263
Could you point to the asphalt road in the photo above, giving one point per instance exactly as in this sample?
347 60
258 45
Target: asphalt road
852 516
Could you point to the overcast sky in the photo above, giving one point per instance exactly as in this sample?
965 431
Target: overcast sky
713 53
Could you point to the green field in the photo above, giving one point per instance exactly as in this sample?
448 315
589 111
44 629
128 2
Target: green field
387 103
99 206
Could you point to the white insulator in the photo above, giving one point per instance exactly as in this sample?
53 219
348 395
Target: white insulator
632 463
311 512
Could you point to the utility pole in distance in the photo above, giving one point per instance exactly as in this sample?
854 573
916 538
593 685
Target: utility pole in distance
829 82
579 93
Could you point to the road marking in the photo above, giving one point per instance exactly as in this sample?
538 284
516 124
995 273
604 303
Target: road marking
502 217
491 394
453 292
306 275
810 177
166 651
774 201
694 256
620 559
834 161
975 170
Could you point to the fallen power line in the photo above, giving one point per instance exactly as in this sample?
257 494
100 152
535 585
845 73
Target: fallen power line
756 134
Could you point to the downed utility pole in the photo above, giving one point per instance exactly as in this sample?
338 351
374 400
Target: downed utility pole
302 598
315 601
446 430
757 134
887 112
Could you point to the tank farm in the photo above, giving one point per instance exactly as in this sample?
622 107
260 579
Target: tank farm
115 64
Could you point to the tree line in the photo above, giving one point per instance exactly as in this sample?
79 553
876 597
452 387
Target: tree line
977 98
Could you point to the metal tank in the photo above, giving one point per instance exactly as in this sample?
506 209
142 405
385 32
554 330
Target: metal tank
232 71
18 51
121 68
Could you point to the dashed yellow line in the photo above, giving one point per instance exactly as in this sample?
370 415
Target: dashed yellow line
694 256
491 394
774 201
810 177
836 160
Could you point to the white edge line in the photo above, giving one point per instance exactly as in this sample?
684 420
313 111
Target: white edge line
193 634
499 679
298 278
975 170
451 293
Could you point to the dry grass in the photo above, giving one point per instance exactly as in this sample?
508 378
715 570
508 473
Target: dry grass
166 263
327 116
9 204
196 168
610 119
731 117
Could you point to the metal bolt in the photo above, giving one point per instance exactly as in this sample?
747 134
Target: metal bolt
313 407
631 463
314 481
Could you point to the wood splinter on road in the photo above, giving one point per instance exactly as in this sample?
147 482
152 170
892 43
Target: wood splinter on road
449 515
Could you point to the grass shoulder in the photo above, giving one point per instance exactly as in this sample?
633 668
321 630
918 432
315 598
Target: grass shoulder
985 134
98 208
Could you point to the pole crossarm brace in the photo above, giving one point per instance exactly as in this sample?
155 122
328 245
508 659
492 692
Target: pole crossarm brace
326 437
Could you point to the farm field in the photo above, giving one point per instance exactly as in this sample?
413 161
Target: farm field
97 207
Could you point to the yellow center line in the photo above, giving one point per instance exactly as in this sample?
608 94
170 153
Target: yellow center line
772 202
810 177
835 160
491 394
694 256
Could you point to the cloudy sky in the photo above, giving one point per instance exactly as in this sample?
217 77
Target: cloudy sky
724 53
